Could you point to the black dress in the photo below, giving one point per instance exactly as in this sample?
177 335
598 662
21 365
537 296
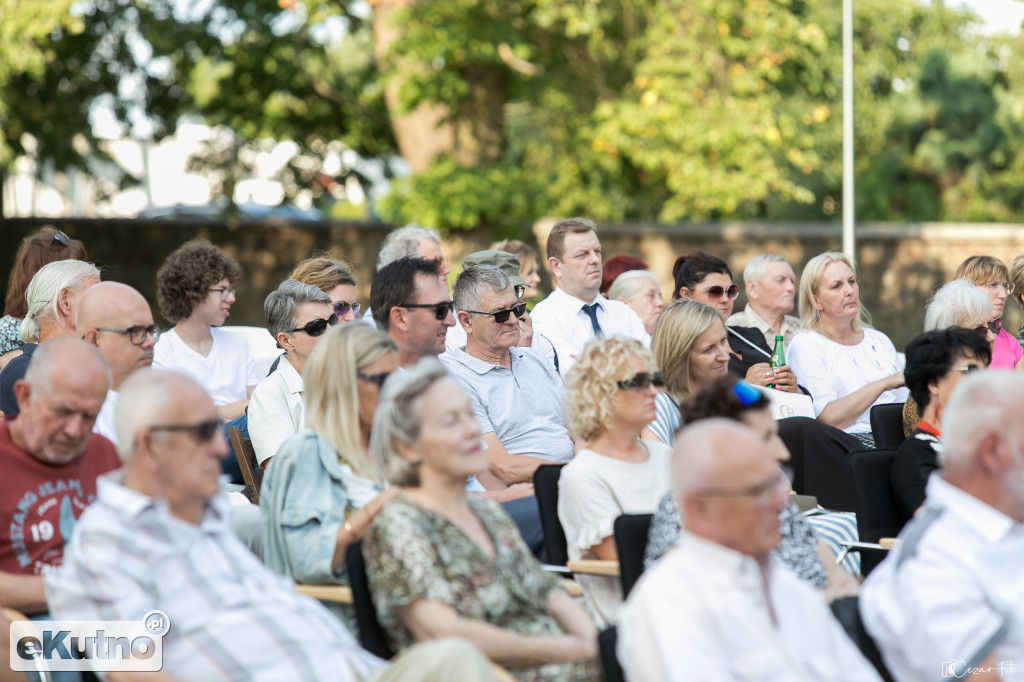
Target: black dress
917 458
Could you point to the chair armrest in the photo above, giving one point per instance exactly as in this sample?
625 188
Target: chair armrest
338 593
572 587
594 567
888 543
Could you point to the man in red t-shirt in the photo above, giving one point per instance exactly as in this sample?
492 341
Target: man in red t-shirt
50 460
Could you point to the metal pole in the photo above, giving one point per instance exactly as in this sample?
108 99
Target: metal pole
849 238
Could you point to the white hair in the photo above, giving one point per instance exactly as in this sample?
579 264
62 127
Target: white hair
954 304
628 284
44 290
404 243
757 267
476 281
983 403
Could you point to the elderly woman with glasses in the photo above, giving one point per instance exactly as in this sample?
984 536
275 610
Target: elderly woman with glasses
322 488
708 279
846 365
333 277
443 563
991 276
609 401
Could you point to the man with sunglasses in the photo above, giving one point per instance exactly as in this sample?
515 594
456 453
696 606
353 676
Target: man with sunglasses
50 459
575 311
298 316
721 606
411 304
116 319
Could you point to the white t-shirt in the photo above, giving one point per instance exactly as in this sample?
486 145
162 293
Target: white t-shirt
105 419
831 370
226 373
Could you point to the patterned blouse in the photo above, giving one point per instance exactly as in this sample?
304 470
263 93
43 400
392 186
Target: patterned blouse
10 334
414 553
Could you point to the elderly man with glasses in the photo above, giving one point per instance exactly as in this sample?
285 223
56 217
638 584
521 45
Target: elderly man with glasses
297 316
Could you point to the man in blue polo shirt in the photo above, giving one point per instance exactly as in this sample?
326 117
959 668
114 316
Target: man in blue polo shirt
516 394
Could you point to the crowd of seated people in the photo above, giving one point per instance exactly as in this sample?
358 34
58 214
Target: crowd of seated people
113 506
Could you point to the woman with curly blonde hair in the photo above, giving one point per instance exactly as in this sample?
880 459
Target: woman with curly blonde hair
609 400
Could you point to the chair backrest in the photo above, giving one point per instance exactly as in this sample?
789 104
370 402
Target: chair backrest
606 641
887 425
631 542
371 633
877 514
545 487
246 456
847 612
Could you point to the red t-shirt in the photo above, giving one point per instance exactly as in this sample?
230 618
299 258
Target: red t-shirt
40 503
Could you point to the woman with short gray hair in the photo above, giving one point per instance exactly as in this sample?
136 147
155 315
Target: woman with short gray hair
441 563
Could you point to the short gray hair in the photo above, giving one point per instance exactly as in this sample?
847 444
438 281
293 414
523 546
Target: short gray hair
983 403
281 304
757 267
954 303
51 357
398 419
141 402
405 243
44 290
628 284
474 282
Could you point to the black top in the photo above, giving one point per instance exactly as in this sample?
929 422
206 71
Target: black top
743 355
14 370
917 458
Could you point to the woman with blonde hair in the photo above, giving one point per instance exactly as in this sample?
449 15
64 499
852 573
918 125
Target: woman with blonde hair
991 276
335 278
529 264
322 489
846 365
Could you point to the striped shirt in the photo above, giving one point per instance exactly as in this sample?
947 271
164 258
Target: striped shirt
231 618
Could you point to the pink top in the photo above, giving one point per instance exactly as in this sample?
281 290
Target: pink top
1006 351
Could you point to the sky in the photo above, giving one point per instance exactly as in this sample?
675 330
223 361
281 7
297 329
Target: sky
1001 15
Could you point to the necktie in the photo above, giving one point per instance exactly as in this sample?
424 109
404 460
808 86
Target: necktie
591 310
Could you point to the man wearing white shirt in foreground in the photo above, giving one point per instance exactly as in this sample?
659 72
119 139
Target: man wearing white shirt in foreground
575 311
720 606
948 601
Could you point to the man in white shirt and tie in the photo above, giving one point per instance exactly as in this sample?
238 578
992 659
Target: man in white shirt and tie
575 311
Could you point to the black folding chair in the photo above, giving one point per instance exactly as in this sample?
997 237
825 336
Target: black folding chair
545 487
877 514
606 642
371 632
887 425
631 542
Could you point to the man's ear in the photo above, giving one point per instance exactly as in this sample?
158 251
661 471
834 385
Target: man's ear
22 393
465 320
751 287
64 302
555 266
398 318
90 337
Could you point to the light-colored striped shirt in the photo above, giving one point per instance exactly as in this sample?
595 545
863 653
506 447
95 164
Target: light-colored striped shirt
231 618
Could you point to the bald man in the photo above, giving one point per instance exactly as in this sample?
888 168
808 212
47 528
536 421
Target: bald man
721 606
116 319
49 459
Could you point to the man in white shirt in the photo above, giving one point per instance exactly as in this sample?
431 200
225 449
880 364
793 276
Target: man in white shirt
116 319
298 316
721 606
948 601
575 311
771 285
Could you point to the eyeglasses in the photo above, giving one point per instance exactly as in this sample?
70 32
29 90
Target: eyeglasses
746 393
762 493
224 292
995 286
341 308
318 326
501 316
60 238
643 380
203 431
374 378
441 309
716 292
137 334
966 369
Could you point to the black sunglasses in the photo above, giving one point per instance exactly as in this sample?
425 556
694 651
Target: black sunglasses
501 316
137 334
716 292
644 380
378 379
441 309
204 431
342 307
318 326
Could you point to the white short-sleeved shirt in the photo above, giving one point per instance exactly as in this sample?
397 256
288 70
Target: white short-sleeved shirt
226 373
831 370
951 592
561 318
105 419
276 410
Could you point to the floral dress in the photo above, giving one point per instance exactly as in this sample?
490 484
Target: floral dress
414 553
10 334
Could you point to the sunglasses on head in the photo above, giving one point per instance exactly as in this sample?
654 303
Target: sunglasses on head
378 379
745 393
501 316
644 380
318 326
203 431
60 238
341 308
441 309
716 292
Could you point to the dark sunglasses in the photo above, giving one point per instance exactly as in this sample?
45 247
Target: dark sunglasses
644 380
204 431
341 308
716 292
378 379
501 316
137 334
441 309
318 326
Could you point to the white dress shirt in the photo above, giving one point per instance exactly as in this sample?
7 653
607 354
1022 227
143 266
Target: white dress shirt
705 612
748 317
561 318
276 410
951 593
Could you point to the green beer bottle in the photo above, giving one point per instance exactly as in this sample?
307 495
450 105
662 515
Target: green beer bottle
778 358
